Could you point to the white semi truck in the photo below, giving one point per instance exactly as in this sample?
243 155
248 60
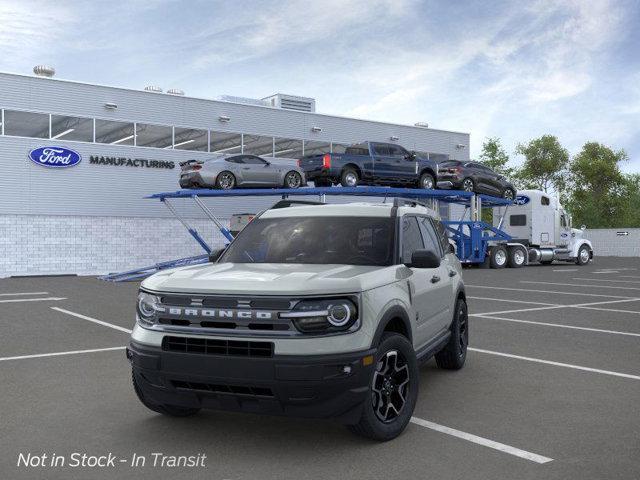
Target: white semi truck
541 232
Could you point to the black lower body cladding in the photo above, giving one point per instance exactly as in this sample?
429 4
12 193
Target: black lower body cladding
318 386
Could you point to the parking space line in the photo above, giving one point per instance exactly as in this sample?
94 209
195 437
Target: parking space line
559 325
512 301
615 310
530 290
577 305
23 293
604 280
566 269
94 320
579 285
57 354
44 299
555 364
533 457
535 309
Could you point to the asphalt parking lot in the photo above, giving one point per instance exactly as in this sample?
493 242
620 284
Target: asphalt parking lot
551 389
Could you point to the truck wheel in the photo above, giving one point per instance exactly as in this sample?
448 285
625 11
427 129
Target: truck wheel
517 257
170 410
393 391
583 255
427 181
498 258
349 178
453 355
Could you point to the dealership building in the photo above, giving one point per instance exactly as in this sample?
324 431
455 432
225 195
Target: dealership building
91 217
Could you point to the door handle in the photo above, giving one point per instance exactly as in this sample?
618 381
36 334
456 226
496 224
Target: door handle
435 279
246 168
452 273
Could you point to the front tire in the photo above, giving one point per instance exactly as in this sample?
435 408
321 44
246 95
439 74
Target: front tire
225 180
454 354
349 178
508 194
427 181
393 390
584 255
169 410
292 180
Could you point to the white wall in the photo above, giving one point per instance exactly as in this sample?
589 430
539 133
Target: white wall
610 242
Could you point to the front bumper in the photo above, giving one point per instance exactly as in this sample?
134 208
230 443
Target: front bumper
314 386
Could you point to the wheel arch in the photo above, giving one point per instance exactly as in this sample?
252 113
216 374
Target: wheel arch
396 320
354 167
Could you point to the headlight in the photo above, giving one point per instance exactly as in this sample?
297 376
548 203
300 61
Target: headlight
324 316
147 307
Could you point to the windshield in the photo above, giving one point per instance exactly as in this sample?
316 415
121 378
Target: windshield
317 240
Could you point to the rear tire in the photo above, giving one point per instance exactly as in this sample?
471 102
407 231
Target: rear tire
498 258
349 178
517 257
292 180
169 410
454 354
225 180
393 392
508 194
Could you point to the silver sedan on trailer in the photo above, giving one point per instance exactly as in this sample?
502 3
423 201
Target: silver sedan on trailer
240 170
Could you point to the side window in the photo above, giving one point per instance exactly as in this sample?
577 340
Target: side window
517 220
235 159
396 151
563 221
381 149
442 234
411 238
544 201
253 160
431 241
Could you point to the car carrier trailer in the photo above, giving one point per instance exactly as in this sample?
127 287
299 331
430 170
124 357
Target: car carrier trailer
476 242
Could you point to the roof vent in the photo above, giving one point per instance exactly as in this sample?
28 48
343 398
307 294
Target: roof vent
422 124
44 71
153 88
175 91
292 102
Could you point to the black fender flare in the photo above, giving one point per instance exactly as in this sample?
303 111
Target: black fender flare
395 311
459 293
430 171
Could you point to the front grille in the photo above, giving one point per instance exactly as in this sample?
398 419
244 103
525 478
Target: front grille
229 389
207 346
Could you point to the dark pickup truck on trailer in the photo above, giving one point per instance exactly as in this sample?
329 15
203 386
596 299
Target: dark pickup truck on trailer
371 163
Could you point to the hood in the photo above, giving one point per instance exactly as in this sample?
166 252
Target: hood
271 279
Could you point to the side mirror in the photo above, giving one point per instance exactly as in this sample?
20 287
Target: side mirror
215 255
424 259
410 156
583 227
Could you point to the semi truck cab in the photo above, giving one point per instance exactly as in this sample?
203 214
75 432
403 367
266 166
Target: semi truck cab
538 221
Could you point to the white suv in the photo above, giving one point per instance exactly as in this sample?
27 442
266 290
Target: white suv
321 311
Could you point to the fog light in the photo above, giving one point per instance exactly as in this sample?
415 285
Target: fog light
346 369
368 360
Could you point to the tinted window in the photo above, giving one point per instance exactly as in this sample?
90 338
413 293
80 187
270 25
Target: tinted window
253 160
381 149
238 159
316 240
397 151
517 220
26 124
411 238
544 200
441 231
431 241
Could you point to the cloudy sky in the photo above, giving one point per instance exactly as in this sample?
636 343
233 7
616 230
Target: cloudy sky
515 70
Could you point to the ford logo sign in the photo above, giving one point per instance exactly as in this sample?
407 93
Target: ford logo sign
521 200
56 157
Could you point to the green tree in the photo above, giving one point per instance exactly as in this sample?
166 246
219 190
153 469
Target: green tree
599 191
545 165
631 202
495 157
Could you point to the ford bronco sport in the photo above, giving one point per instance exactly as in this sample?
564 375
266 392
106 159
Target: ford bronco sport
321 311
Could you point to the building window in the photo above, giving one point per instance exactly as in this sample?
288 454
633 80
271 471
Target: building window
338 147
157 136
26 124
224 142
258 145
287 148
312 147
190 139
72 128
114 133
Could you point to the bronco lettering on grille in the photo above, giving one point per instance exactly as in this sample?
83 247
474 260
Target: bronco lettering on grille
218 313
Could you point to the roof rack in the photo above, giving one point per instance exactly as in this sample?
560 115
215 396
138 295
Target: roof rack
291 203
411 202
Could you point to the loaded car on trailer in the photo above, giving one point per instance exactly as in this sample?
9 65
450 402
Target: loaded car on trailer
318 311
371 163
474 177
